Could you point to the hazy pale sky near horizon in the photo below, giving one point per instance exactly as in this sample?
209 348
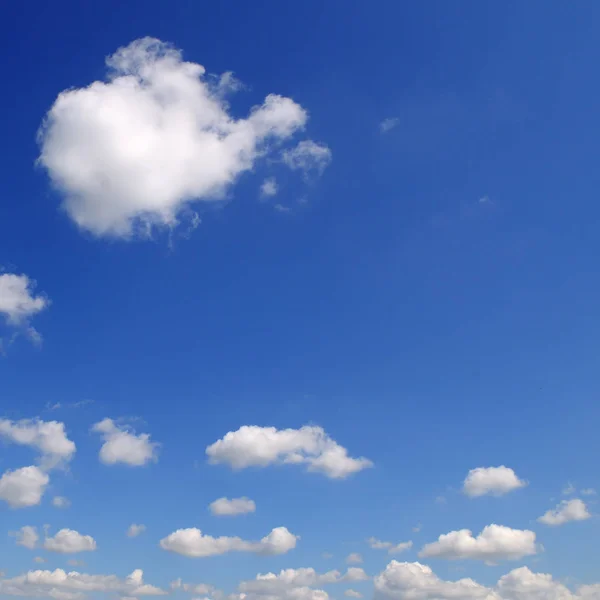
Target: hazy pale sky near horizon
299 301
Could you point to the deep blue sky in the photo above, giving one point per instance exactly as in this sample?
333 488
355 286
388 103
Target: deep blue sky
433 305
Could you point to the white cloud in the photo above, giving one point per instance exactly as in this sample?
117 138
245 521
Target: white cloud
192 542
47 437
39 559
307 156
235 506
201 589
522 584
588 492
414 581
354 558
61 502
257 446
353 594
269 187
567 510
491 480
355 574
18 303
58 584
23 487
389 546
388 124
134 530
569 489
417 528
124 446
68 541
494 543
134 151
27 536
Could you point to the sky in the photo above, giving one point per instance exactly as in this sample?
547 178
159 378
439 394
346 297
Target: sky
299 302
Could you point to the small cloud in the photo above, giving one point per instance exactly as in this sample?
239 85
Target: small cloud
269 187
327 555
39 559
354 558
61 502
353 594
235 506
569 489
484 200
588 492
73 562
388 124
281 208
417 528
441 500
307 156
566 511
135 530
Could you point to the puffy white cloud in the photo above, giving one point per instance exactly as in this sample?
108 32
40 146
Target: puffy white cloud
252 445
355 574
388 124
414 581
68 541
269 187
135 150
565 511
235 506
353 594
522 584
494 543
58 584
122 445
307 156
491 480
23 487
192 542
18 302
61 502
47 437
134 530
354 558
27 536
389 546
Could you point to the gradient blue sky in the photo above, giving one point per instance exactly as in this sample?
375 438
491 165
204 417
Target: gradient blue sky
431 299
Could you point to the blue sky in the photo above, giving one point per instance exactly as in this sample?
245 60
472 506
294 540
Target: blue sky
382 223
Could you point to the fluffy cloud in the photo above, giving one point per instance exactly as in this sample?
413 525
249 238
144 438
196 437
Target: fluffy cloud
257 446
124 446
352 594
61 502
192 542
47 437
414 581
389 546
235 506
491 480
201 589
58 584
294 584
135 150
23 487
134 530
307 156
494 543
27 536
68 541
18 303
354 558
269 187
567 510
